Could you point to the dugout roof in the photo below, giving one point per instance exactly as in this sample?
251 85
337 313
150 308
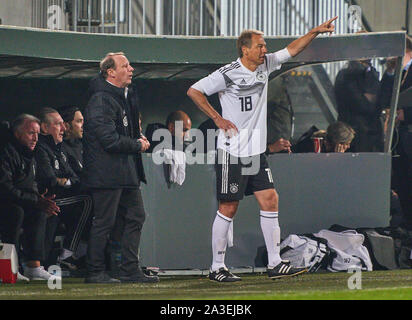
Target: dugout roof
27 53
41 53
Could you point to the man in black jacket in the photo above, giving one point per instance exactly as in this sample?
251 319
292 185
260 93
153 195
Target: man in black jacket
356 90
72 141
402 142
55 174
113 168
21 205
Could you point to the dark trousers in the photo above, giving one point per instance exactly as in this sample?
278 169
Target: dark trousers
75 212
108 206
402 173
13 218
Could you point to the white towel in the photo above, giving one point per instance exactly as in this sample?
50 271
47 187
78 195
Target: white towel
177 161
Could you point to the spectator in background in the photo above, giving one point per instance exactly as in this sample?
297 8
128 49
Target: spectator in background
55 174
204 127
402 142
113 169
336 138
386 85
21 205
72 141
356 90
179 132
72 147
280 118
280 145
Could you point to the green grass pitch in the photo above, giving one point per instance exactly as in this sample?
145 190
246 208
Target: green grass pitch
376 285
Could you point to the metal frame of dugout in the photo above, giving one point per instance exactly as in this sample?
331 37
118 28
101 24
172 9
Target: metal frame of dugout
316 190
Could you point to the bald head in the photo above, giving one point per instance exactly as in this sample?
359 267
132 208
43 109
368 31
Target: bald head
178 123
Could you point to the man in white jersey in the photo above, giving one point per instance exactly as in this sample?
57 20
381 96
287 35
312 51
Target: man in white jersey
242 88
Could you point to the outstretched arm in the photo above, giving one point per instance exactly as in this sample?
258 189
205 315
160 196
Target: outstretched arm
300 44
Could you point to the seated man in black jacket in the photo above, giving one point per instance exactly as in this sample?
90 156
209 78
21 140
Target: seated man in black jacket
72 147
55 174
178 123
21 205
337 138
72 140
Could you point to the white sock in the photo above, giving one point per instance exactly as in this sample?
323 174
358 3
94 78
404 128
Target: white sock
271 232
219 240
65 254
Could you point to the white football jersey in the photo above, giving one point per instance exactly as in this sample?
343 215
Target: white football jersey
243 97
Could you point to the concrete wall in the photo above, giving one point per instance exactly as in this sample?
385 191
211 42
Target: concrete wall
384 15
16 12
316 191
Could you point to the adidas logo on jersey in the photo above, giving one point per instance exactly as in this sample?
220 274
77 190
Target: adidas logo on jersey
243 81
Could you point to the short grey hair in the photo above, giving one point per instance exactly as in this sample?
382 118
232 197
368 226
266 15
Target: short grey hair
340 132
245 39
108 62
44 115
19 121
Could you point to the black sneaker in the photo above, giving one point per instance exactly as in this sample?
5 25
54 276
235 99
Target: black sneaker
69 263
223 275
101 277
283 270
139 276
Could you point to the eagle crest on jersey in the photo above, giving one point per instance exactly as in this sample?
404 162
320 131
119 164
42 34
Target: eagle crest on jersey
242 87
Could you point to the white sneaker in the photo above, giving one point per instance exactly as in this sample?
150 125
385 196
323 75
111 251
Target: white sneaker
20 277
38 274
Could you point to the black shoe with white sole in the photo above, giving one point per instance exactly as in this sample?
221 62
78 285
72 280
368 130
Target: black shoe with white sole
138 276
223 275
283 270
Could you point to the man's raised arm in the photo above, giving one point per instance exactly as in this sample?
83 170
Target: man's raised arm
300 44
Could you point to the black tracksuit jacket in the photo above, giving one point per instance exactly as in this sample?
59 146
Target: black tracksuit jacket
17 172
73 149
111 151
52 163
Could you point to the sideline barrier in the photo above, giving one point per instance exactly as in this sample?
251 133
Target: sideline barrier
316 191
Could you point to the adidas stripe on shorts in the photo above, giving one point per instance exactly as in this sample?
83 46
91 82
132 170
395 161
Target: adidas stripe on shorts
232 182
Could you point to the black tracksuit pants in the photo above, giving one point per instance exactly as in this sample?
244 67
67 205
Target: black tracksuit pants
109 205
13 218
75 213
